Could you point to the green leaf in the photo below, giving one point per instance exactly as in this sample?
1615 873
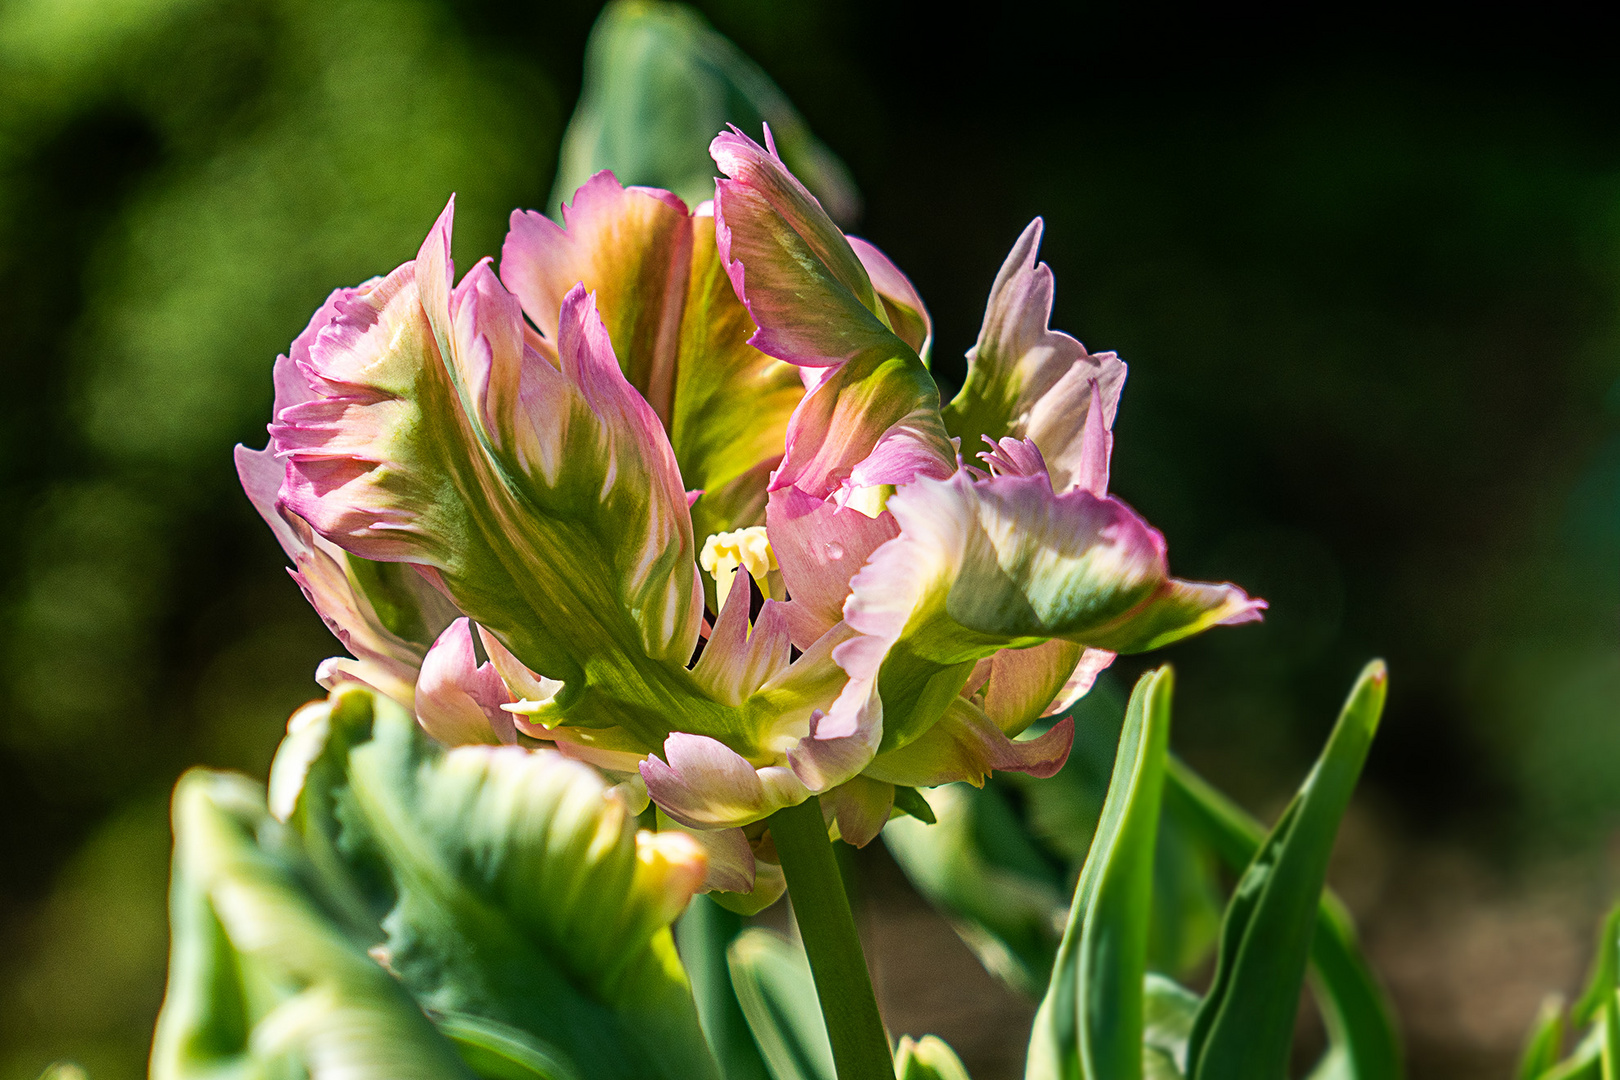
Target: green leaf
1168 1012
703 935
1245 1027
1586 1063
778 996
508 892
1090 1023
1601 983
910 801
978 864
659 83
928 1058
1359 1016
1546 1039
499 1052
262 982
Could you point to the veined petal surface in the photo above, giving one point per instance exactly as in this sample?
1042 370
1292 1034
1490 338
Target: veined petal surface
979 566
547 497
677 327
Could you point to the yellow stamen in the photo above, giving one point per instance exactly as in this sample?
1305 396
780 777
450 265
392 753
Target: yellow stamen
724 552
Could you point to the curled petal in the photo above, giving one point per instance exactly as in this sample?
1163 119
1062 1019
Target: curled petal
385 614
965 745
871 423
458 700
1006 562
703 783
630 246
1028 381
801 281
1023 682
1092 663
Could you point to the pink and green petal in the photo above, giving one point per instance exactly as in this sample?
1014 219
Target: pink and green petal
820 546
792 267
677 327
1023 682
979 566
386 614
739 659
1026 380
966 745
547 497
704 784
458 700
630 246
871 423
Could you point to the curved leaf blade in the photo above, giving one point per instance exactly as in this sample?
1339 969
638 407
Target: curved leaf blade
1089 1026
1245 1027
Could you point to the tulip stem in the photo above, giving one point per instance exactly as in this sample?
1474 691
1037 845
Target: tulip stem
848 1005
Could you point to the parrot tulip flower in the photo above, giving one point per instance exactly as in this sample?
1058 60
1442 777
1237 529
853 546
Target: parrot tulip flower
675 493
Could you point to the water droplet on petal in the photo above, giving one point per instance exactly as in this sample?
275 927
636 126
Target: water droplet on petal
835 550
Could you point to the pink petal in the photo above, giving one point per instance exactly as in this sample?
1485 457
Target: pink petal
801 281
819 547
704 784
458 700
1026 380
737 661
631 247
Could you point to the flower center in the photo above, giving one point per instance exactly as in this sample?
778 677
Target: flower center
723 553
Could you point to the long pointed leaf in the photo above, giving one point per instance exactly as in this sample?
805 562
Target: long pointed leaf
1089 1026
702 937
1246 1025
777 994
1362 1019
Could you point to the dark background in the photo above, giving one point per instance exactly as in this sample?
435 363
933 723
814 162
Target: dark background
1365 272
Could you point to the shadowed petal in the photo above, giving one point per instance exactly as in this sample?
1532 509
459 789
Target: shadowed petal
901 303
965 745
859 808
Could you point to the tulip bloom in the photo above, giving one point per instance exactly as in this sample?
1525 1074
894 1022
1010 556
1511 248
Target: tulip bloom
498 493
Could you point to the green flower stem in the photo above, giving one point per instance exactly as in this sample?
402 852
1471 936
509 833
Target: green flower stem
848 1005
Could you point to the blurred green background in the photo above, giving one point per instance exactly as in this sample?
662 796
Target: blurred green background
1366 279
